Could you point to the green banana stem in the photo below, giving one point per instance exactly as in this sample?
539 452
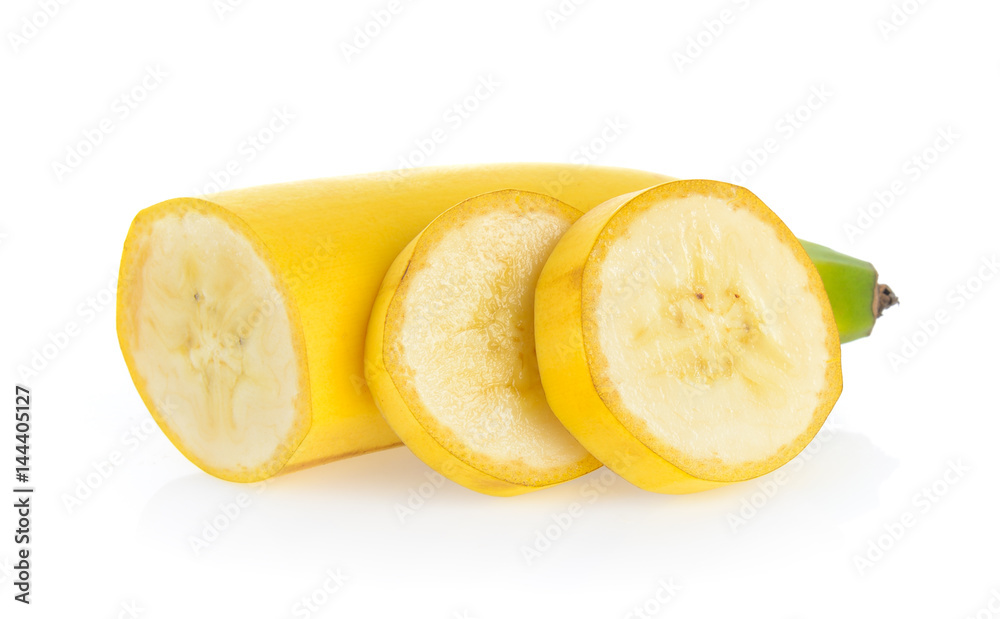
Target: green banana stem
852 286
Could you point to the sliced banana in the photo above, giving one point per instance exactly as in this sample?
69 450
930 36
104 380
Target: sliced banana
450 352
316 251
685 337
212 342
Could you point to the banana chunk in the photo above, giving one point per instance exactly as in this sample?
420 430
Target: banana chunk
685 337
450 351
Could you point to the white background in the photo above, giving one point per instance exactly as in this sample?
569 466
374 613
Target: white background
897 429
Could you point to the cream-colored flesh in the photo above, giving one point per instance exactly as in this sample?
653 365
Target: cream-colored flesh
213 342
467 341
709 333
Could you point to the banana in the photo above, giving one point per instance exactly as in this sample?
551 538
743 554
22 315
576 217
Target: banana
242 315
450 356
685 338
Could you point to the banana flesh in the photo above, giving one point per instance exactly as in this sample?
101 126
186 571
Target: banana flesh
685 338
214 342
719 352
450 354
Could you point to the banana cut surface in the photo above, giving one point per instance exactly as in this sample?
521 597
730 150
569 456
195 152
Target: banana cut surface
685 338
450 352
213 340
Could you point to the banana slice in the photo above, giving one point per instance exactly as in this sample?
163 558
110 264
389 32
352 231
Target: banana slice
685 338
450 353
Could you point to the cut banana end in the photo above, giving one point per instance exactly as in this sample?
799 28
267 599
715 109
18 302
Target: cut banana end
213 345
685 338
450 353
